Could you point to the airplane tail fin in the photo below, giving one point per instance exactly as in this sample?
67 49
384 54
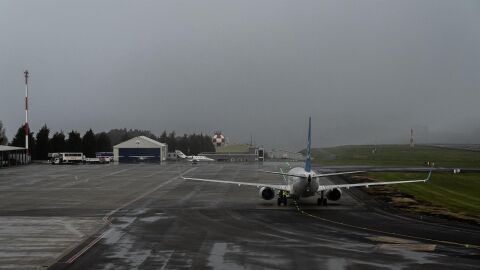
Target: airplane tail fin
308 161
180 154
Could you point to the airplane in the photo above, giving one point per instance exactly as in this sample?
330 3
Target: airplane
193 159
304 182
139 158
142 158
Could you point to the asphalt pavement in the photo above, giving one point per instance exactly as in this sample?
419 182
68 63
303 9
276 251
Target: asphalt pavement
143 216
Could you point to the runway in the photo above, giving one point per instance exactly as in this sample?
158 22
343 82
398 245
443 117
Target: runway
144 217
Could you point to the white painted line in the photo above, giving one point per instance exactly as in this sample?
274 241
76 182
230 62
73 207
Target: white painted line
150 175
385 232
107 217
167 260
117 172
72 229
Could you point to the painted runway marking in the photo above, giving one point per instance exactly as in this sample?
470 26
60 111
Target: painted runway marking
108 216
72 229
150 175
117 172
58 175
385 232
167 260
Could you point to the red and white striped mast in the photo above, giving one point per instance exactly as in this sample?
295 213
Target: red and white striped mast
26 111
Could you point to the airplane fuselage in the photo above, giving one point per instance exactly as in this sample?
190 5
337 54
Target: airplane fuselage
302 186
199 158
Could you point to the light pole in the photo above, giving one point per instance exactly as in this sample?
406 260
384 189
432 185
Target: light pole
26 111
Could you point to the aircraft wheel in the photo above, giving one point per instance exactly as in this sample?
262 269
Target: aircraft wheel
285 201
279 201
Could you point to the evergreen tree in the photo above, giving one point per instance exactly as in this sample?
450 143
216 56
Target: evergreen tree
172 142
89 144
74 142
19 140
57 143
103 143
163 138
183 144
116 135
3 137
125 137
42 143
194 144
208 144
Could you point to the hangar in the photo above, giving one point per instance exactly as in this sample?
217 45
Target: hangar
140 149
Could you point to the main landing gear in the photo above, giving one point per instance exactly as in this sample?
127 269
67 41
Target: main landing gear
322 201
282 198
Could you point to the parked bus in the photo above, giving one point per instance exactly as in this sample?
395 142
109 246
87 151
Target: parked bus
66 158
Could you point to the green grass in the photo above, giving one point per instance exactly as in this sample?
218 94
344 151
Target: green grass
233 148
458 193
395 155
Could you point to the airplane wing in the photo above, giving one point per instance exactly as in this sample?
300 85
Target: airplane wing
317 175
328 187
258 185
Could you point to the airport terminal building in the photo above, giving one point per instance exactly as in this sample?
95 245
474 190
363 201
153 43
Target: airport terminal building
140 149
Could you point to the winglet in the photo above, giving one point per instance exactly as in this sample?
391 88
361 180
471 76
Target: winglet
429 175
308 161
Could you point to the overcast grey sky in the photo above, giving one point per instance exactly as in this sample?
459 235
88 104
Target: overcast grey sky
366 71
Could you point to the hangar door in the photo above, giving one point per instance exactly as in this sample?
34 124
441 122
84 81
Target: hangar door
133 155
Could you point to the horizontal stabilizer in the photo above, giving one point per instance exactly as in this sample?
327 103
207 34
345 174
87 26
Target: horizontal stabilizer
282 173
317 175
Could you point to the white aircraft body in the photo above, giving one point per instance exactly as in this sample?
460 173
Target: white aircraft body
304 182
193 159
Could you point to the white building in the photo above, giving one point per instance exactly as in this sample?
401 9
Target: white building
140 149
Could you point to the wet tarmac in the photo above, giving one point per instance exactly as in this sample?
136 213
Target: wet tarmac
144 217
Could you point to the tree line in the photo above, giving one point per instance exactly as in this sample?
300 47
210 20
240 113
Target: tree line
192 144
42 143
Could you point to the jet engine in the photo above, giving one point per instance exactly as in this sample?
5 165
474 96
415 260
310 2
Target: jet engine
334 194
267 193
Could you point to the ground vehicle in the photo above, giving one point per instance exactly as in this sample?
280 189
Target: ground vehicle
66 158
91 160
105 157
96 160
